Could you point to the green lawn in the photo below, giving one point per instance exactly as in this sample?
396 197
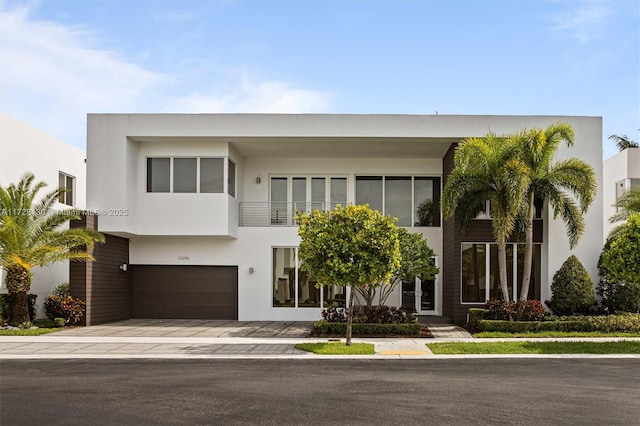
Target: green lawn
535 348
337 348
45 326
30 332
491 334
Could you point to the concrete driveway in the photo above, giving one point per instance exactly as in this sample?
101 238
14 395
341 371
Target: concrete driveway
193 328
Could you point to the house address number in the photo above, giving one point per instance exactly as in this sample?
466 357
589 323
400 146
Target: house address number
183 257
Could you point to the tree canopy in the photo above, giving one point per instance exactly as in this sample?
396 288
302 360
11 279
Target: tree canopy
348 246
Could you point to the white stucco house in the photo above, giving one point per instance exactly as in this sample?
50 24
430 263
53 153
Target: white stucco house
620 174
25 148
197 209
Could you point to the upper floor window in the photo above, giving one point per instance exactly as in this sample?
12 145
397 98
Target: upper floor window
67 184
190 175
414 200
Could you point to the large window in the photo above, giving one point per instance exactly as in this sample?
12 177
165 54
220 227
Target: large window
295 288
190 175
480 276
67 184
414 200
289 194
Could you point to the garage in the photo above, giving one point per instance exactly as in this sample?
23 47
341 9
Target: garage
180 291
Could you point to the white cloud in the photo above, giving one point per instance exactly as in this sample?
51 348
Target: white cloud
584 22
250 95
52 77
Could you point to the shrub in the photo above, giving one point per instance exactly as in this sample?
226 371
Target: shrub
69 308
571 289
323 327
475 315
59 322
25 325
5 306
374 315
530 310
522 310
619 268
62 290
603 323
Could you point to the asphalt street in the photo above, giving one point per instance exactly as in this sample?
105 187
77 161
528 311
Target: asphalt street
346 392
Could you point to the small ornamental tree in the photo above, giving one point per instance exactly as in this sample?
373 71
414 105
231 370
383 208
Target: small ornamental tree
619 268
572 289
416 260
348 246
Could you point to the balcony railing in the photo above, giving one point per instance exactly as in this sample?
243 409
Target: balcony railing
277 214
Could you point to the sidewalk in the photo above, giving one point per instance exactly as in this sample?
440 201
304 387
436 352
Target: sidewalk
132 339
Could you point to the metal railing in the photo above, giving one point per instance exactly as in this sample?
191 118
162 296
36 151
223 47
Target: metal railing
277 213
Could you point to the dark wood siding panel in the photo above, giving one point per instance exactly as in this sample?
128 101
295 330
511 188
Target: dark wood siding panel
104 287
179 291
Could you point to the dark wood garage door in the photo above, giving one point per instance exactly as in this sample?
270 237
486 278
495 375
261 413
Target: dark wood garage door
178 291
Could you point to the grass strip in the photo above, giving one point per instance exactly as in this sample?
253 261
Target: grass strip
454 348
496 334
337 348
30 332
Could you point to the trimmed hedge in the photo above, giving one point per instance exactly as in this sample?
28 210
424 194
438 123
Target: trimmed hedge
606 323
323 327
475 315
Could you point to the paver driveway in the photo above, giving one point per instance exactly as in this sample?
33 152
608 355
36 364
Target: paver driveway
193 328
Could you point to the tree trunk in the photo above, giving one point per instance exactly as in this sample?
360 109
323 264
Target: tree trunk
19 308
18 281
502 268
528 252
349 318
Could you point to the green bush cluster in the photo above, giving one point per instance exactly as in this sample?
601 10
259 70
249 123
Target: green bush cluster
67 307
522 310
324 327
376 314
603 323
5 306
572 289
619 268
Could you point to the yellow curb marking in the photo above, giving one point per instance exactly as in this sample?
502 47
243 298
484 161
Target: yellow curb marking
404 353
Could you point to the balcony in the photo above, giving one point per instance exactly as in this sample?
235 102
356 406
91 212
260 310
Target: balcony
277 213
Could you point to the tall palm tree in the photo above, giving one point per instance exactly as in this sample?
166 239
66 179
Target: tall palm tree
568 185
30 236
488 168
623 142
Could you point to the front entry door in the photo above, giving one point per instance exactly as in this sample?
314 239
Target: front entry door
420 295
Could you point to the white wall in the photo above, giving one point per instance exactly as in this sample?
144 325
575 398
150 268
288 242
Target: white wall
623 165
27 149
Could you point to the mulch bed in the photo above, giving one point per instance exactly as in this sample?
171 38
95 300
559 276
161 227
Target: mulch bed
424 334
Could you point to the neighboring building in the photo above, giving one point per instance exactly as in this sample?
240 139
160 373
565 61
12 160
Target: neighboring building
620 174
198 210
24 149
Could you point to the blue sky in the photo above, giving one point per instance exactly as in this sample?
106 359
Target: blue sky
62 59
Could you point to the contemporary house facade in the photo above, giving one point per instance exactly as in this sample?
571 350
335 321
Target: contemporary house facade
621 173
28 149
198 210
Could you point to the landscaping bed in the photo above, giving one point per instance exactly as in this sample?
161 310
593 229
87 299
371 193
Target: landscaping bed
338 329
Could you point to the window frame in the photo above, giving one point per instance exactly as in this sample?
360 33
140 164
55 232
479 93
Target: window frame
414 206
514 270
198 175
69 197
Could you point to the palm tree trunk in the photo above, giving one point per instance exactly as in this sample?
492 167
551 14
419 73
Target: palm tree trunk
349 318
528 252
18 281
502 269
